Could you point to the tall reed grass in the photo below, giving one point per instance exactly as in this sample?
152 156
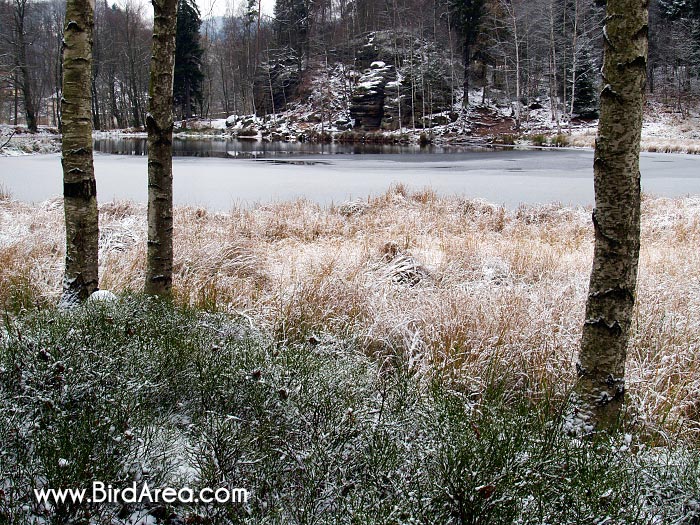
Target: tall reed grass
462 289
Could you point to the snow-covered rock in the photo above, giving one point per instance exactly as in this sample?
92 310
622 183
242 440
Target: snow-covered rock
102 296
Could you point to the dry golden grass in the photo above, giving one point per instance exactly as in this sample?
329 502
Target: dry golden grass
5 194
682 143
459 287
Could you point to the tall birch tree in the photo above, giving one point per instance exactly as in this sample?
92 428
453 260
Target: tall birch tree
616 218
79 188
159 123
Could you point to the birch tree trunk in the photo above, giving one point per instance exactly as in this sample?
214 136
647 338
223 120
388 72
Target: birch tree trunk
159 123
79 188
601 368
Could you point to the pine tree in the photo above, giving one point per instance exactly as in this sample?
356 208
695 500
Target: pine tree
687 10
291 27
187 89
586 96
679 8
466 17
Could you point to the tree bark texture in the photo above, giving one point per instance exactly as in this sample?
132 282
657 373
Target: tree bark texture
159 123
79 189
616 218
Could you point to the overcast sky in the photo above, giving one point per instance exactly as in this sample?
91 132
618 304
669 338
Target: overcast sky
219 7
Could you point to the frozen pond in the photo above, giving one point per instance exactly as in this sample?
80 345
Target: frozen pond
503 177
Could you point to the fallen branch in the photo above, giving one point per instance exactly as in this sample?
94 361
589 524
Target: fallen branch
9 139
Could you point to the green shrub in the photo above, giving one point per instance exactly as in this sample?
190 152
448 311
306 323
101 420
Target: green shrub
505 139
538 140
560 141
317 431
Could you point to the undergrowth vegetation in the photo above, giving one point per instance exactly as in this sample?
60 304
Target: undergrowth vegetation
142 391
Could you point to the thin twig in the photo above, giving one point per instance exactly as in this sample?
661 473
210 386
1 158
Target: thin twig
9 139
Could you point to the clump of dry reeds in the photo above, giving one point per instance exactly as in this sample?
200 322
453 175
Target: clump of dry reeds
461 288
653 144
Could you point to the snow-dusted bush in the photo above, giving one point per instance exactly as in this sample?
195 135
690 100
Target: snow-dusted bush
139 390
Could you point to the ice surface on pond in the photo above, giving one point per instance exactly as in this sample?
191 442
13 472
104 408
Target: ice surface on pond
501 177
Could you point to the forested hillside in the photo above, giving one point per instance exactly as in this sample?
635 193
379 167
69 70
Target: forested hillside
362 63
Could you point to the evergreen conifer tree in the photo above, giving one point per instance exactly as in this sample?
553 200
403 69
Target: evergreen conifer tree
586 98
466 19
291 27
187 88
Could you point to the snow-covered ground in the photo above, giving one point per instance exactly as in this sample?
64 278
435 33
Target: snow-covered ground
665 130
16 141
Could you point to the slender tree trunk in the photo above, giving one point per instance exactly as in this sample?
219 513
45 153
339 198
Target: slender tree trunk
553 91
223 72
134 95
467 70
96 62
57 84
79 189
517 71
114 106
257 39
96 123
413 90
187 104
574 62
29 110
563 60
616 217
272 93
15 84
159 123
452 59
